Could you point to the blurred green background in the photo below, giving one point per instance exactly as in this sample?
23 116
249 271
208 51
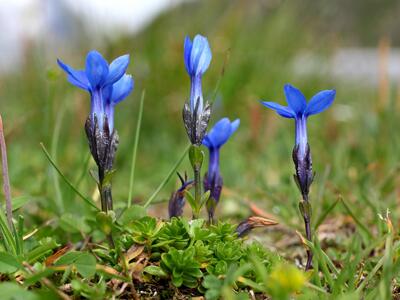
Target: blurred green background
257 46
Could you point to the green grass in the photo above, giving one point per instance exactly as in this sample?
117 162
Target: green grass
356 160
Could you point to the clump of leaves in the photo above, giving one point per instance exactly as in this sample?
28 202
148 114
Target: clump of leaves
182 266
186 252
148 252
144 230
224 231
174 234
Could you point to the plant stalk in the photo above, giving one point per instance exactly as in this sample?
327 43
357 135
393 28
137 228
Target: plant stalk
6 179
307 223
305 208
197 191
105 191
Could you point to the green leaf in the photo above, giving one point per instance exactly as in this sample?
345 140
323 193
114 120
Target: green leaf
105 222
108 178
196 156
189 197
195 224
38 276
7 237
13 291
73 224
8 263
86 265
135 212
155 271
305 208
18 202
204 198
68 258
45 246
214 286
177 281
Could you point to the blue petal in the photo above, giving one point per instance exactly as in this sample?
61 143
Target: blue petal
206 142
96 69
107 92
187 49
122 88
76 77
284 111
200 57
234 126
296 100
80 84
320 102
117 69
220 133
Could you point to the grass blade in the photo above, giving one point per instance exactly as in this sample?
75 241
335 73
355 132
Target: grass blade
326 213
358 222
87 200
371 274
221 74
166 179
315 288
7 236
84 170
134 152
54 148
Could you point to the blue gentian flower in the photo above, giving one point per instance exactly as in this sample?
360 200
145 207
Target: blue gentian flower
197 57
214 140
107 84
300 110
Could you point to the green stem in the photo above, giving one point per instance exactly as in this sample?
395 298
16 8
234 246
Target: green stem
106 201
196 157
305 209
101 191
197 191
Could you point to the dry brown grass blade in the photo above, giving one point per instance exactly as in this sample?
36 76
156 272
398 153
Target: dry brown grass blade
260 212
257 221
134 252
253 222
51 259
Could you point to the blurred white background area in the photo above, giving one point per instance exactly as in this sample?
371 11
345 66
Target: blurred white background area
56 24
55 28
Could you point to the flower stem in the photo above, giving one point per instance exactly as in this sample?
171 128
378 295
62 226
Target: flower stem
305 209
106 200
101 190
6 179
197 191
307 224
196 156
